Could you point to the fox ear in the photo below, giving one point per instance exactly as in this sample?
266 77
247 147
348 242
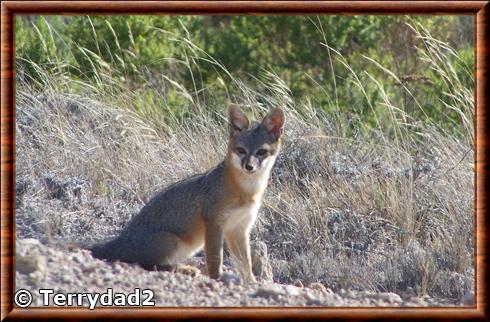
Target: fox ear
237 119
273 122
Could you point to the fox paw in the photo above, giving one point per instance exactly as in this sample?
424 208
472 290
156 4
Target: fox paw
187 270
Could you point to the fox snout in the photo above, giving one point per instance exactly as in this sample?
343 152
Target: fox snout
250 164
247 162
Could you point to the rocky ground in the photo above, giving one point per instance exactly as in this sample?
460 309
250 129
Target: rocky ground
67 270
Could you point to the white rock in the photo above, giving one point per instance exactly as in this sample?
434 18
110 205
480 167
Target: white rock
292 290
269 291
389 297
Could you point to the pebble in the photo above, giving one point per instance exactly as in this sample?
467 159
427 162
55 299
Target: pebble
312 299
66 279
30 242
88 269
391 298
318 287
269 291
26 264
292 290
350 294
229 278
117 269
213 285
79 258
414 301
336 297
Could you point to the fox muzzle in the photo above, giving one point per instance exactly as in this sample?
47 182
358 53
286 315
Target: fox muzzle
250 164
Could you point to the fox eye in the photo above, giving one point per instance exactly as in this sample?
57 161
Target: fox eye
241 151
261 152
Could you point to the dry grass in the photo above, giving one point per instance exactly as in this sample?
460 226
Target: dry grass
374 211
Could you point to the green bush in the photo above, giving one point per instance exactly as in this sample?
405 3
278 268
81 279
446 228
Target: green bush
315 57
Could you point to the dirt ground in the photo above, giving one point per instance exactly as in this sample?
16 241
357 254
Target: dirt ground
63 270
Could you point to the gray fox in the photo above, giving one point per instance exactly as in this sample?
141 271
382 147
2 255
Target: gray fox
203 210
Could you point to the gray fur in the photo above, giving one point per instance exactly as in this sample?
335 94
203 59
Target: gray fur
170 211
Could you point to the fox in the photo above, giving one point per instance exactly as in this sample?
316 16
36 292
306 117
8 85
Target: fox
205 210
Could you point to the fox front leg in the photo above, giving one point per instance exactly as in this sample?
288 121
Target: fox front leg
213 245
239 244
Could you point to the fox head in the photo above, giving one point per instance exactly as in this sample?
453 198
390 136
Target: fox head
254 148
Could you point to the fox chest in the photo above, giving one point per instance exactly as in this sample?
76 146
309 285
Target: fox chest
242 217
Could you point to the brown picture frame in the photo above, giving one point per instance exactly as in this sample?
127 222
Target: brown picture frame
9 9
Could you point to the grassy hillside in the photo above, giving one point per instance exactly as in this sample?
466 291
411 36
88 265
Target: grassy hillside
373 189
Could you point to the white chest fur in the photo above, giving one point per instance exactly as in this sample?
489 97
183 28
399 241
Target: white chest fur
251 184
255 183
242 217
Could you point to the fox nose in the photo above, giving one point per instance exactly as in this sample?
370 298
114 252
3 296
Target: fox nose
249 167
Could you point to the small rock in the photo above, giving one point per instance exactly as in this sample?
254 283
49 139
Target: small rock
35 277
318 287
298 283
391 298
26 264
213 285
351 294
261 266
269 291
117 268
29 242
229 278
311 299
90 269
79 258
414 301
336 297
66 279
292 290
77 270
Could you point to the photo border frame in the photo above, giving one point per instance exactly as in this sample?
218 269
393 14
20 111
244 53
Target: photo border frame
10 9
